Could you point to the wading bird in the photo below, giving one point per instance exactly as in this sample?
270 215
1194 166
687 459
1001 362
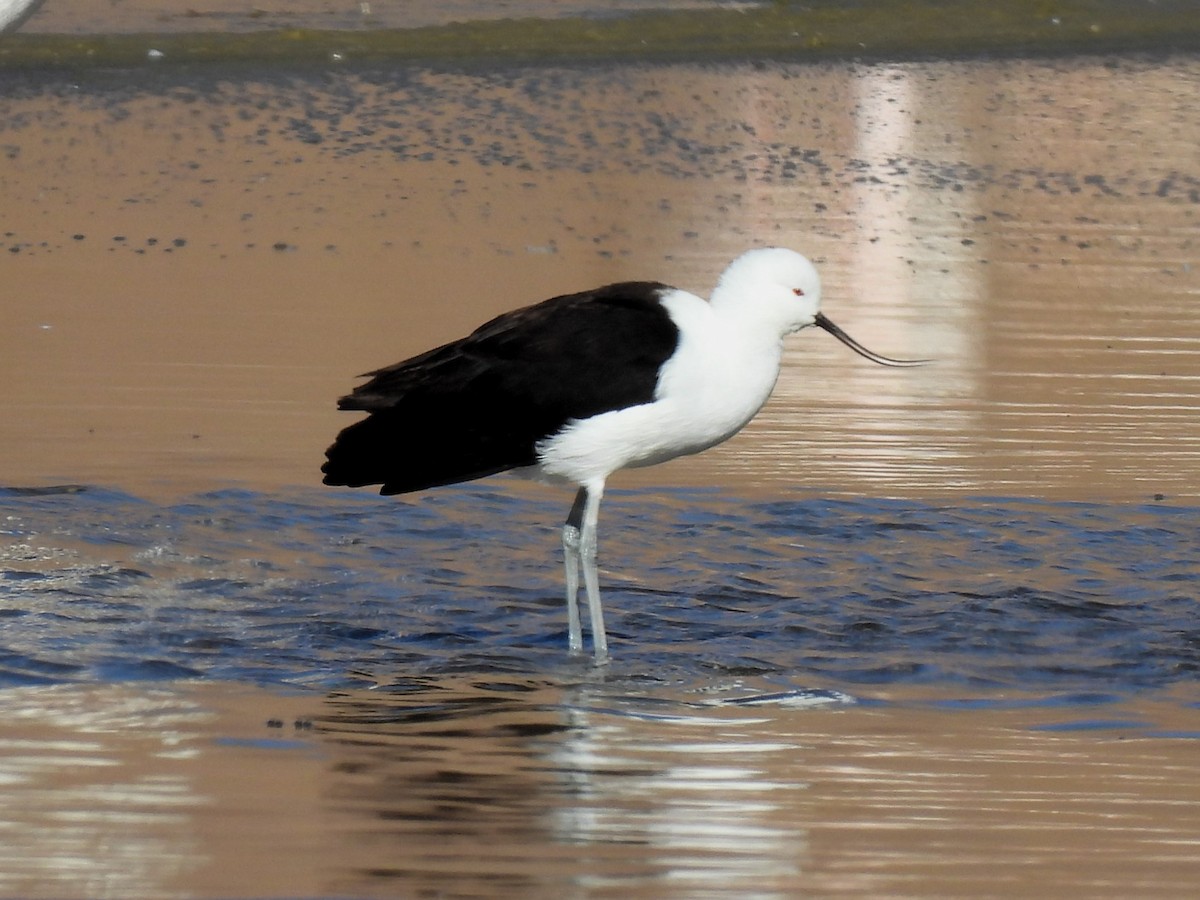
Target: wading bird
576 387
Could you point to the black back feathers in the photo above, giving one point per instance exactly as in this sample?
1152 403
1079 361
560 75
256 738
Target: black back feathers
481 404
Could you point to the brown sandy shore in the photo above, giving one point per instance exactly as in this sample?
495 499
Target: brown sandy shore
99 35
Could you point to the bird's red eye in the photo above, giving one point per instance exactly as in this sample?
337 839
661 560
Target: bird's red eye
799 292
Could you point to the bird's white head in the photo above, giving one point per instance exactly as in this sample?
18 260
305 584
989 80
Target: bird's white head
776 287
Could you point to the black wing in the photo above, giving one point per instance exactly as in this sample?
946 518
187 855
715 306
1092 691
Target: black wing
481 404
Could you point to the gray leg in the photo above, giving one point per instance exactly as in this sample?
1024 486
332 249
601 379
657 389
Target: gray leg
579 549
571 557
591 578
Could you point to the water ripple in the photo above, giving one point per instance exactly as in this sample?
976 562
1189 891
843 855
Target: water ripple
339 589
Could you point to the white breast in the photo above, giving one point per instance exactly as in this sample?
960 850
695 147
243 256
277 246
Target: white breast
720 375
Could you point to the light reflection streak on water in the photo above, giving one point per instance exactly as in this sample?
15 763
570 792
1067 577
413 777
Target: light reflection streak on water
873 288
608 779
704 805
964 225
89 819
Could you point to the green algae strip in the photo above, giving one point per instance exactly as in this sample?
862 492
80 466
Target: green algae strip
820 30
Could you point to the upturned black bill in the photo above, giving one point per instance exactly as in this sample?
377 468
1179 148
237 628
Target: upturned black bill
823 322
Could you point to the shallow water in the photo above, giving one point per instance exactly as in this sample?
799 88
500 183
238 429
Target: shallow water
549 786
373 698
335 590
923 633
1038 244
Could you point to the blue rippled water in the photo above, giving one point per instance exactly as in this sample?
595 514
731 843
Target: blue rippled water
333 589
